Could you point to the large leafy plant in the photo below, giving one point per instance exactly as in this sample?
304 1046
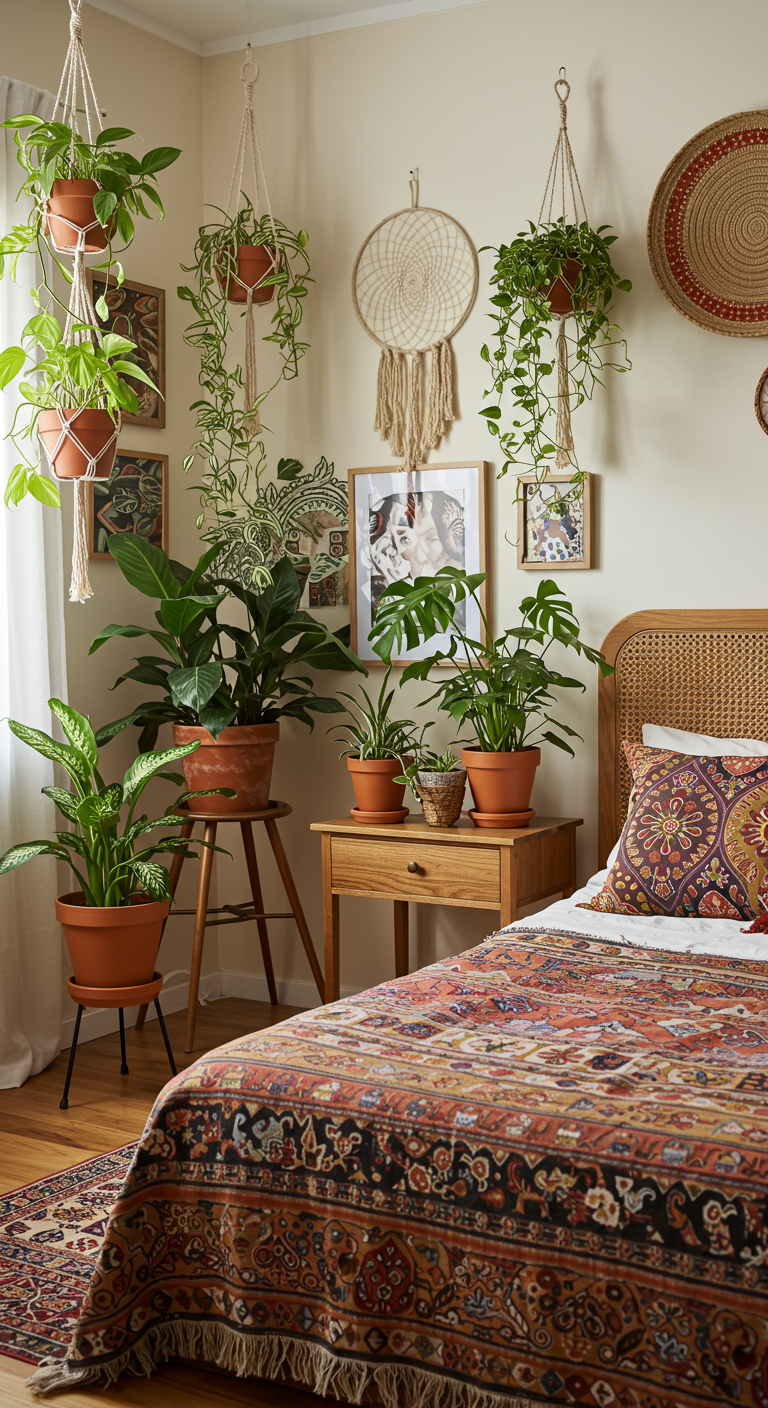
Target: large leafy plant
224 441
522 356
84 374
51 151
112 866
213 673
503 688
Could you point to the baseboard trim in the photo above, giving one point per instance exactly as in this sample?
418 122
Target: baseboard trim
291 992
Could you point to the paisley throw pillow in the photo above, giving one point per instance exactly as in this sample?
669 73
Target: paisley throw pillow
695 841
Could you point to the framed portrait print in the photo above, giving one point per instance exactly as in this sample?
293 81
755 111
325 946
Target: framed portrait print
138 311
133 500
554 528
403 526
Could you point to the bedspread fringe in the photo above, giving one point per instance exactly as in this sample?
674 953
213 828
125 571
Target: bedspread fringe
277 1357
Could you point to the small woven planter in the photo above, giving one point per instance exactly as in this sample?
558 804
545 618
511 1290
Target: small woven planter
441 795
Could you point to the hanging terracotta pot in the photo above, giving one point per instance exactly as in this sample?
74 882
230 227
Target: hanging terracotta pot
115 947
73 201
501 785
379 799
254 262
241 757
559 293
93 428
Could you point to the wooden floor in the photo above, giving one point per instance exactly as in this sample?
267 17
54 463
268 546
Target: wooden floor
105 1111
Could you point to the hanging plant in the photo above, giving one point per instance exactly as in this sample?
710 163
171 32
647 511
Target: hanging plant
555 271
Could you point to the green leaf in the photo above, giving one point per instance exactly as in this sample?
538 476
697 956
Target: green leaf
182 613
144 566
159 158
196 685
153 878
11 363
44 490
112 344
104 203
65 801
101 308
17 855
216 720
78 731
71 760
111 135
101 810
147 764
288 469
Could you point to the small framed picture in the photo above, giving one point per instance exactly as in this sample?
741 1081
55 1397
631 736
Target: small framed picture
403 526
133 500
137 311
554 527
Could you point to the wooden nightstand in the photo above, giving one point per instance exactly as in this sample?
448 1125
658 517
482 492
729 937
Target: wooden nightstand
460 865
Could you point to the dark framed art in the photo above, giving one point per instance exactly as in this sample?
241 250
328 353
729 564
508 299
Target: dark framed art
138 311
403 526
133 500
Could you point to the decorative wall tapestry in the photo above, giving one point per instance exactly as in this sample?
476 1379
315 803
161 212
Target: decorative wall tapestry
413 286
133 500
137 311
708 227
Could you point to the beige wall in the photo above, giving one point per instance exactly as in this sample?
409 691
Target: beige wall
466 96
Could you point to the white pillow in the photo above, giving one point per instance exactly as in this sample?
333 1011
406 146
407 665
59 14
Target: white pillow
701 744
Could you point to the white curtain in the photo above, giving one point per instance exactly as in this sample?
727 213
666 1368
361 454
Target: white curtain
32 669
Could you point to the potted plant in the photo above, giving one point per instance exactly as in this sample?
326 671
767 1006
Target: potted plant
77 185
503 687
82 386
438 780
376 751
112 923
226 687
548 273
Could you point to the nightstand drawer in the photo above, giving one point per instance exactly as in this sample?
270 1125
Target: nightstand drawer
359 865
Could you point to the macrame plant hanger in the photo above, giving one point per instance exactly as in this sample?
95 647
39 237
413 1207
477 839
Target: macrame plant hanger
249 140
76 75
413 285
563 164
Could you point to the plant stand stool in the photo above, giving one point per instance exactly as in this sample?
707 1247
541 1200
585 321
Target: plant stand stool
144 993
238 913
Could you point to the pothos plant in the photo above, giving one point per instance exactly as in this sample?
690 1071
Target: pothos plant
225 443
521 356
52 151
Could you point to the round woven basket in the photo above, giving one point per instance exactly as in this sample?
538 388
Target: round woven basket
441 795
708 227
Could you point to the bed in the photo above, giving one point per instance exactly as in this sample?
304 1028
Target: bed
533 1173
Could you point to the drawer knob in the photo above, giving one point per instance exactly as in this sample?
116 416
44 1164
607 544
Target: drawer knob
413 867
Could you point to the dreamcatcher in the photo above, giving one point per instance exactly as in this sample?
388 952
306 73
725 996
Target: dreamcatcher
413 285
70 238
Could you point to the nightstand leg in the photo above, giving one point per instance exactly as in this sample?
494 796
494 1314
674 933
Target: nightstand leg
330 926
203 886
401 938
508 906
572 866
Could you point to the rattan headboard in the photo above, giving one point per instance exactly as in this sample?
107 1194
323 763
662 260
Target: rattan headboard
706 671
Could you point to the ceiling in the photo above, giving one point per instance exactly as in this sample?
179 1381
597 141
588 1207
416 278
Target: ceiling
223 26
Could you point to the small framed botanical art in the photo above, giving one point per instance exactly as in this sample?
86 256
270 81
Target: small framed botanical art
133 500
403 526
138 311
554 527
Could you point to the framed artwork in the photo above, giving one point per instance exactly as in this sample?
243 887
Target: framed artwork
133 500
403 526
554 529
138 311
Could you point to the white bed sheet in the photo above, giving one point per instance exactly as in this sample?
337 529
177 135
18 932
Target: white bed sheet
723 936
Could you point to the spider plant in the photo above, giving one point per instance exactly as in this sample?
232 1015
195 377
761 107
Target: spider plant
371 735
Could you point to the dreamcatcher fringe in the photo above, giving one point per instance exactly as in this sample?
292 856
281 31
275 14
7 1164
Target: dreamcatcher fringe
411 419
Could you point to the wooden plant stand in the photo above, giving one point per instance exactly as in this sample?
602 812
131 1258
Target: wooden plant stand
114 997
238 913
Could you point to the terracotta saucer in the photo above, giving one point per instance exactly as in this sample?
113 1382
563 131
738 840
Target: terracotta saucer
500 819
379 818
115 997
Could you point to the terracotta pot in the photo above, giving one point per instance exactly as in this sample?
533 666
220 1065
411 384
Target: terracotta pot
74 200
112 948
501 783
93 428
241 757
441 795
374 789
558 293
254 262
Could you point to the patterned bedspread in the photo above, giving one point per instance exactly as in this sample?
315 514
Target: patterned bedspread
535 1173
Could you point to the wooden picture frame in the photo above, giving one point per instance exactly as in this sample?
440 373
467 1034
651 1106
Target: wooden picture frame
137 311
140 501
470 490
562 537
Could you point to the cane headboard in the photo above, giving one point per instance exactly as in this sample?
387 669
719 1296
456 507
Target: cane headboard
706 671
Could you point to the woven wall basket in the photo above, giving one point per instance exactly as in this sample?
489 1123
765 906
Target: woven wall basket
708 227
